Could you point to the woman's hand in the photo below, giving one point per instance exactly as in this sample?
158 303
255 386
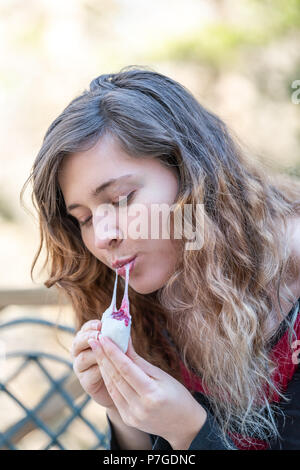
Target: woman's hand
85 364
146 397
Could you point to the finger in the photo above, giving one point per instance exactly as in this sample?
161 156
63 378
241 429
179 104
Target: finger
84 361
91 380
131 372
118 399
91 325
116 380
80 341
151 370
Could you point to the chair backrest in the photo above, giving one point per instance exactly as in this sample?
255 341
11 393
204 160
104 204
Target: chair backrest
62 402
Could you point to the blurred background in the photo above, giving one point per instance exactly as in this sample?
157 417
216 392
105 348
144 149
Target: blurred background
239 58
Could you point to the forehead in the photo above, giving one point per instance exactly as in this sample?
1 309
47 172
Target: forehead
103 161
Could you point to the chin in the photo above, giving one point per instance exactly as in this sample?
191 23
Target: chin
144 288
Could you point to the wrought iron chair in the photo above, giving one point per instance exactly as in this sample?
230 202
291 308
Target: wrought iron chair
62 393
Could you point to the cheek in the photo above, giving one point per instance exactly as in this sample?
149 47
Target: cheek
153 222
157 266
89 242
161 224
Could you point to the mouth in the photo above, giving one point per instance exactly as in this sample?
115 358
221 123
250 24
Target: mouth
119 263
121 268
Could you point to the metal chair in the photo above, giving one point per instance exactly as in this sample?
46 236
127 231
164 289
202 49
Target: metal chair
63 392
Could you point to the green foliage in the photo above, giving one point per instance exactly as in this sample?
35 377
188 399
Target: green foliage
284 15
220 43
214 45
6 212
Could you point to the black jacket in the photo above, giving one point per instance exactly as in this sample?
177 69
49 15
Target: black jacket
209 438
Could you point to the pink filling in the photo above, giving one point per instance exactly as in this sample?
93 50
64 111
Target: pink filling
122 313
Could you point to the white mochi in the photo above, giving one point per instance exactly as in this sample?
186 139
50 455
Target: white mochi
115 329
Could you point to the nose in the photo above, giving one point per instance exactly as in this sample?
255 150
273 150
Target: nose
108 239
106 232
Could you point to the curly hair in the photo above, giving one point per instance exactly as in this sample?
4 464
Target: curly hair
216 305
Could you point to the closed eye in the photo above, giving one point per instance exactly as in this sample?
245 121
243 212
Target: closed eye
118 204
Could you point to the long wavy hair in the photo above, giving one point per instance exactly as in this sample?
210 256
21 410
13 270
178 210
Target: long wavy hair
217 304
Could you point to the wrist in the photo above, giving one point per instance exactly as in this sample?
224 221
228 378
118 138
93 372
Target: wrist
186 437
113 413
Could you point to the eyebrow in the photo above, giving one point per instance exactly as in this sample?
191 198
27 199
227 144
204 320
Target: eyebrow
102 187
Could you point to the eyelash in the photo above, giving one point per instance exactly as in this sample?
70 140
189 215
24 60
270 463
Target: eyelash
129 197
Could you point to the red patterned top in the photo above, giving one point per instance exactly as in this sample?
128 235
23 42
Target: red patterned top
286 359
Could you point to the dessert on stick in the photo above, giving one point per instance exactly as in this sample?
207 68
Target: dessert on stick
116 324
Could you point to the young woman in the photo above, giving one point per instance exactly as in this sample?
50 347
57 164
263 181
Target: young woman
212 360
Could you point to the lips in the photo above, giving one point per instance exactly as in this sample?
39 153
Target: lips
122 270
120 263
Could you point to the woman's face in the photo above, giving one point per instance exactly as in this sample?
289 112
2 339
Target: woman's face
114 234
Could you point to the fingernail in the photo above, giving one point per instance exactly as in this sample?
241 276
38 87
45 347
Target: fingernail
102 340
94 335
94 344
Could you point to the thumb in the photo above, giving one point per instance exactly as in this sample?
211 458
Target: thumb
97 349
148 368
